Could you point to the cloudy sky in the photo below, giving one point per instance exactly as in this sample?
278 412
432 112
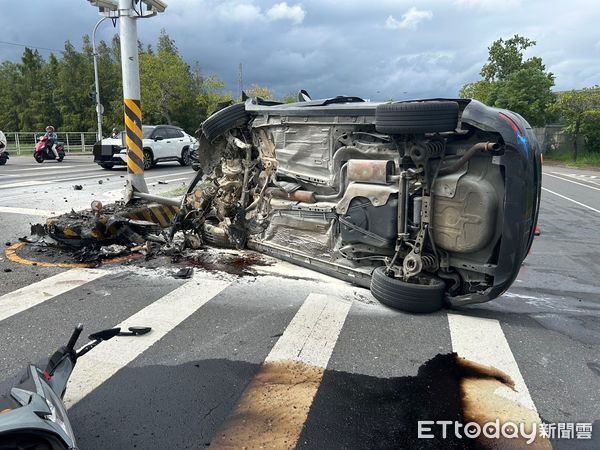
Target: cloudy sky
376 49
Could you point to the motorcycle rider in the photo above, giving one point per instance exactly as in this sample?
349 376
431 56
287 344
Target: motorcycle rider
114 134
53 137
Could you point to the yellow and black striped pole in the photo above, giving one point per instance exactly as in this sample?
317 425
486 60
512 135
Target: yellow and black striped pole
131 100
135 150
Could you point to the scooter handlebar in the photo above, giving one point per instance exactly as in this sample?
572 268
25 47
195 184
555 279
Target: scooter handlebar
75 336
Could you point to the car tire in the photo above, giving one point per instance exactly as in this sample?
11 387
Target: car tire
231 117
107 166
185 159
416 117
426 295
148 160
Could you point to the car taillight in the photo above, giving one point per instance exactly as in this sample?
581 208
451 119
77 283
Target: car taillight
511 122
521 137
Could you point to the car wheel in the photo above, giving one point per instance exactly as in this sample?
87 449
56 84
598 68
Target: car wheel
185 159
148 160
107 166
416 117
424 294
231 117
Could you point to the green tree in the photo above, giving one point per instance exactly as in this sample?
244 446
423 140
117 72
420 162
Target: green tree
9 97
169 88
289 98
482 90
580 110
512 82
211 95
260 91
506 57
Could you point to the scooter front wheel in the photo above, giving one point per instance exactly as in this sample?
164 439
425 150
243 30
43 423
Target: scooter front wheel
38 157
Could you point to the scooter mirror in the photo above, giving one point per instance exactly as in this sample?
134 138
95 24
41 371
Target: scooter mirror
104 335
139 330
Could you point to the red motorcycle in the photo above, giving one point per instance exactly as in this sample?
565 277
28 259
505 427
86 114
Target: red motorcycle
43 150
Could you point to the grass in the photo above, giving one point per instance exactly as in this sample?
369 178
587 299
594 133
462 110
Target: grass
583 160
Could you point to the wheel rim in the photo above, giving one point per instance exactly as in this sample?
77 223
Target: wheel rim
147 160
186 157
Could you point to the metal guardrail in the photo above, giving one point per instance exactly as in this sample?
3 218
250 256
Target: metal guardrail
25 141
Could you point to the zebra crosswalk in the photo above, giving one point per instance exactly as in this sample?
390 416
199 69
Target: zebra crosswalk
253 362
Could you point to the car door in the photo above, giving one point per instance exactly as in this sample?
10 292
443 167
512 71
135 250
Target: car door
159 147
176 142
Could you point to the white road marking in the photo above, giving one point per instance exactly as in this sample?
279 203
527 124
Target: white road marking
29 211
37 169
169 175
587 178
571 181
163 315
483 341
25 184
571 200
171 181
274 407
313 332
37 293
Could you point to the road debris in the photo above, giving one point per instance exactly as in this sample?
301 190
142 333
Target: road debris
77 187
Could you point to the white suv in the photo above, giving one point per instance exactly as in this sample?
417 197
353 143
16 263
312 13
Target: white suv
160 143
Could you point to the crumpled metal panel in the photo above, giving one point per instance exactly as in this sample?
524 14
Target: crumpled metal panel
303 152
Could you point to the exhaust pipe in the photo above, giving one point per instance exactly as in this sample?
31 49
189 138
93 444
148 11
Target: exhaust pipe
475 149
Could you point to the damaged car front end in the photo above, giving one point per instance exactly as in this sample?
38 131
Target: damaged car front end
422 201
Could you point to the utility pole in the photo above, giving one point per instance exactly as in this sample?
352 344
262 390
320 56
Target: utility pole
126 12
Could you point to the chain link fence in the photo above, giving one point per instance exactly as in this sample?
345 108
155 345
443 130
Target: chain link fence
25 142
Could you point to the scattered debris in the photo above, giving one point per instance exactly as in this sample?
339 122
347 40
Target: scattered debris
184 273
7 244
162 182
111 251
8 270
78 187
100 181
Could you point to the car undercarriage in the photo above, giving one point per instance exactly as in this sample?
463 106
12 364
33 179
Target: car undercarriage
425 202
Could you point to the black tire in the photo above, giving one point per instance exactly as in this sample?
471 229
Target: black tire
38 157
416 117
231 117
185 159
426 297
60 158
107 166
148 160
2 161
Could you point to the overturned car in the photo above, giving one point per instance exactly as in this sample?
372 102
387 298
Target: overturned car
425 202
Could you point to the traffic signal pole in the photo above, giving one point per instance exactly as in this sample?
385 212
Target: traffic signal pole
131 99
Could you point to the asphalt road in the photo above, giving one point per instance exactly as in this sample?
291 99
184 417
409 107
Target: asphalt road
255 352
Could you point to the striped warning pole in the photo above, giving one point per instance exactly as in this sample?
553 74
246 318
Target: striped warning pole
131 98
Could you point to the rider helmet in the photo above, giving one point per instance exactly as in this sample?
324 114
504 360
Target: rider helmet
49 129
